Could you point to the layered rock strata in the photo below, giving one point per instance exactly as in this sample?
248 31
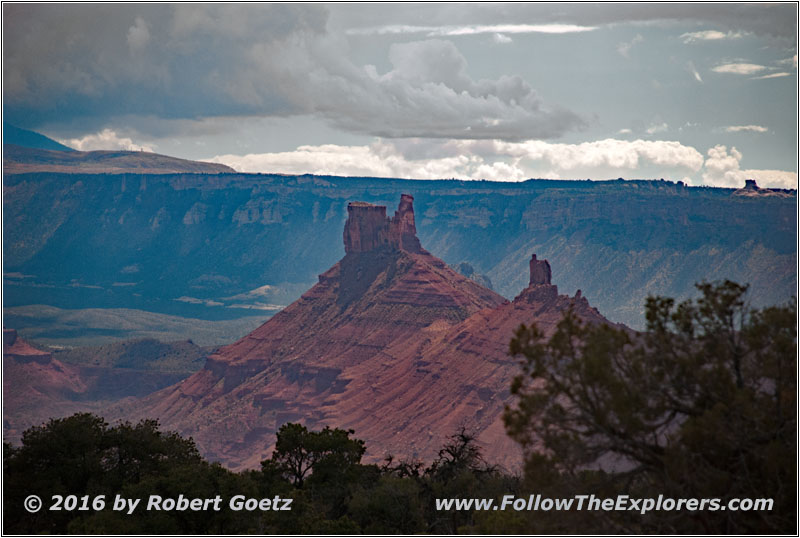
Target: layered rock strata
390 342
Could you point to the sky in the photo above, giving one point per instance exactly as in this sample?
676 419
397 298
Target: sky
703 93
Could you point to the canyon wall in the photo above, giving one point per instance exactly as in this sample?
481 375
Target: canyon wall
222 246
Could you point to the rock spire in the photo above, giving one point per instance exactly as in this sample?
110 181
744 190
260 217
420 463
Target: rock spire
540 272
368 228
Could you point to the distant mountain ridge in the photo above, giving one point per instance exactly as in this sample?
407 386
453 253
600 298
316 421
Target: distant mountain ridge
22 160
30 139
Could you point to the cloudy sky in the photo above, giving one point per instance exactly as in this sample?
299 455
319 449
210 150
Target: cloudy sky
703 93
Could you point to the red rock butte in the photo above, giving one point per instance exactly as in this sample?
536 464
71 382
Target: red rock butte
367 227
35 386
540 272
390 342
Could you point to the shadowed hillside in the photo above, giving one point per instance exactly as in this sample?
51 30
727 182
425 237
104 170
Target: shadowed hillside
30 139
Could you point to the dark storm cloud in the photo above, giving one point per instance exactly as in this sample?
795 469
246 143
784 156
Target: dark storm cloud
428 93
101 60
90 63
155 65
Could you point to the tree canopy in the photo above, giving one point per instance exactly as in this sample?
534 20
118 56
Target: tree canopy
700 405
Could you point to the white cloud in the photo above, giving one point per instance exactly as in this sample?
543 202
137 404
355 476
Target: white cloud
624 131
260 292
738 68
722 169
773 75
657 128
106 139
695 73
443 31
609 154
195 300
709 35
380 159
515 161
283 60
489 159
625 48
501 38
750 128
779 179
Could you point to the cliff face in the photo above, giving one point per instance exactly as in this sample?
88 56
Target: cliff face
540 272
21 351
454 376
35 385
390 342
402 230
297 365
367 227
186 244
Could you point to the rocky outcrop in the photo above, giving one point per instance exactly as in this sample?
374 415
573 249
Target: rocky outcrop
35 386
402 230
298 366
38 386
540 272
368 228
452 376
21 351
752 190
9 338
390 342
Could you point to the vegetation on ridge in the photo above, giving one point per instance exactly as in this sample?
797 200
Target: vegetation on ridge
700 405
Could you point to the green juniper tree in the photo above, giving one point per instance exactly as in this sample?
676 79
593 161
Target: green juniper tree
82 455
700 405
